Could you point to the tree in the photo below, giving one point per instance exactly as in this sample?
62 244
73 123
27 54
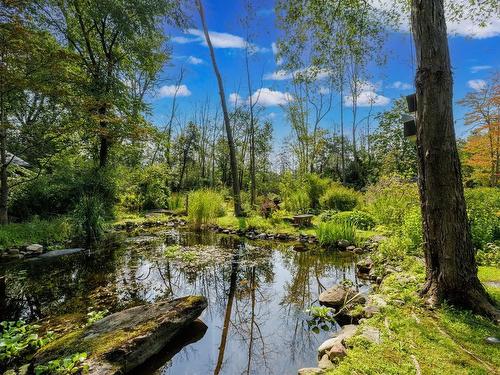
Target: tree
450 257
225 113
483 146
392 152
115 40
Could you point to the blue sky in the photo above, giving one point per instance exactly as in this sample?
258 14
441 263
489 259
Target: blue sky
475 55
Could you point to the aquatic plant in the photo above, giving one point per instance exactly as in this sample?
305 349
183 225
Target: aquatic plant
94 316
330 233
18 338
89 218
320 317
73 364
360 219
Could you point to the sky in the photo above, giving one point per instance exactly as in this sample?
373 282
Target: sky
475 55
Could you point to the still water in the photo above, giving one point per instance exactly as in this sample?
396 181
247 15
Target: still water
257 293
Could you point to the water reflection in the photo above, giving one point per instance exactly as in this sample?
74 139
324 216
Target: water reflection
257 293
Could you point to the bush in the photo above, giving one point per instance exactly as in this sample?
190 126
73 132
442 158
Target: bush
330 233
394 248
359 219
278 216
176 202
316 187
145 188
45 232
327 215
339 198
390 199
412 230
483 209
204 206
298 202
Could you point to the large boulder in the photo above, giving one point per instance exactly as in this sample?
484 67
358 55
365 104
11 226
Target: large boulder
337 296
124 340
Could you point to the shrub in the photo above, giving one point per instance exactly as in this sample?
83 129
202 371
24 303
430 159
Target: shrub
316 187
483 209
394 248
204 206
267 207
359 219
45 232
330 233
327 215
412 230
298 202
390 199
176 202
278 216
339 198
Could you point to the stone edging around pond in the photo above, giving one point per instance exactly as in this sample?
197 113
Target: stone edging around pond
254 234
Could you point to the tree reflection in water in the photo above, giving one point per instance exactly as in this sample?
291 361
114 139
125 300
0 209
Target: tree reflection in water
257 296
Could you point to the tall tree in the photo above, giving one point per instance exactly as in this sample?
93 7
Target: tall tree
112 39
229 133
449 253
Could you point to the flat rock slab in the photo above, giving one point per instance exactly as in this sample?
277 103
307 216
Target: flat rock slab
124 340
336 296
58 253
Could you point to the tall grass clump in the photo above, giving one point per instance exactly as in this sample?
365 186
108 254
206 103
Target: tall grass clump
483 209
390 199
360 219
339 198
204 206
330 233
89 217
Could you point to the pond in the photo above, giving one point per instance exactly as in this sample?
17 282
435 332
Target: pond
257 292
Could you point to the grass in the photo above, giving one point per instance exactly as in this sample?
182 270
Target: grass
330 233
44 232
490 276
443 341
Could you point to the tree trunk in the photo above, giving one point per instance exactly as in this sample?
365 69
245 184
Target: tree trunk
449 253
4 187
104 142
229 133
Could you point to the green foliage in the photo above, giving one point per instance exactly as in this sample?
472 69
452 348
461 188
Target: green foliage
45 232
278 216
395 247
330 233
204 206
146 188
316 187
94 316
176 202
412 230
298 202
19 338
89 218
339 198
360 219
489 255
390 199
327 215
321 318
74 364
483 209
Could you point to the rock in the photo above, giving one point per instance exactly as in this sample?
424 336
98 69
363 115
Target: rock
350 248
346 332
372 334
34 248
364 266
310 371
492 340
343 244
262 236
300 247
124 340
336 352
336 296
325 362
58 253
378 238
369 311
358 250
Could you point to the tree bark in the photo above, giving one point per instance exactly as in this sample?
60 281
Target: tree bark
449 253
104 141
229 133
4 187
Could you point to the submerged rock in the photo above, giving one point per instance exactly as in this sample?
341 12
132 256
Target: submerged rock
124 340
336 296
310 371
58 253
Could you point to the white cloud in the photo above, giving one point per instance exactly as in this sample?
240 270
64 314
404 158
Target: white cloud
471 29
283 75
194 60
274 48
478 68
466 28
268 98
235 98
171 90
476 84
400 85
219 40
367 99
279 75
324 90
